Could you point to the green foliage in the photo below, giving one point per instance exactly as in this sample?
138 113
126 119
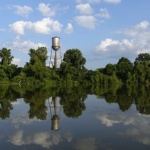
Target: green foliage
72 71
5 55
123 67
72 68
143 57
109 69
37 66
74 58
72 101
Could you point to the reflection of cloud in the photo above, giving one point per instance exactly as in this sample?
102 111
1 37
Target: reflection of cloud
17 138
21 119
137 126
137 135
86 144
110 119
42 138
68 136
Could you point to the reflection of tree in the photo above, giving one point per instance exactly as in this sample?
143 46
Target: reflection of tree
142 100
124 102
115 94
6 97
36 100
73 102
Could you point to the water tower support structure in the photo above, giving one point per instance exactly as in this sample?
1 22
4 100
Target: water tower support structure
55 47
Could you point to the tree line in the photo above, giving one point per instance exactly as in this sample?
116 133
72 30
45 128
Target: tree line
72 70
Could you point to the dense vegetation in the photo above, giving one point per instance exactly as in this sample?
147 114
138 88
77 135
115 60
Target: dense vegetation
72 99
72 70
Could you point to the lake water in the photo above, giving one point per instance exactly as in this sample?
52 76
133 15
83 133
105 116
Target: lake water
98 120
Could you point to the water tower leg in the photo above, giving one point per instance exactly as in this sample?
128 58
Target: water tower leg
55 60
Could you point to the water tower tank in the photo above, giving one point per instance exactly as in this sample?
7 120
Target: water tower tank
55 43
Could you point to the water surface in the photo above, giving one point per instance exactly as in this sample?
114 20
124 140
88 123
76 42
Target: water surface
96 120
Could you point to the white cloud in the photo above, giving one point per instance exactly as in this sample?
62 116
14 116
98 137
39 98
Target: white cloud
84 8
18 27
46 10
106 44
104 13
44 26
86 21
143 25
69 28
112 1
23 10
136 41
24 46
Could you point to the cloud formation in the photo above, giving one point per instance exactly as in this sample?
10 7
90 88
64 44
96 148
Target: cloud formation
84 8
44 26
46 10
69 28
136 41
23 10
104 13
22 45
86 21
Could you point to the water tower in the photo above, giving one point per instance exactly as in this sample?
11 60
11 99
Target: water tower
55 110
55 47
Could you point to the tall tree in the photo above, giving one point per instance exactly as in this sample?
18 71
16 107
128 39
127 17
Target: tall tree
6 57
37 66
143 57
123 67
73 64
74 58
109 69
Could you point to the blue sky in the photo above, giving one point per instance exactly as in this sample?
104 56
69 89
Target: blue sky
104 30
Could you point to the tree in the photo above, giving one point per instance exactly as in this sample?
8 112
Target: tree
6 57
37 66
74 58
109 69
73 64
6 66
123 67
40 54
143 57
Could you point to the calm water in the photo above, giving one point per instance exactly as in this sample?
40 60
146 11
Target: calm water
102 119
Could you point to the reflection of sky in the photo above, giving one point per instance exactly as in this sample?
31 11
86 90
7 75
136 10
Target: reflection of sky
25 131
136 126
43 139
100 126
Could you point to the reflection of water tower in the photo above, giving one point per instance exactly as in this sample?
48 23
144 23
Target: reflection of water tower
55 110
55 47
